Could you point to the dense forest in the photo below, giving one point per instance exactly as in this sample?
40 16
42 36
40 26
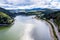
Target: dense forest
5 17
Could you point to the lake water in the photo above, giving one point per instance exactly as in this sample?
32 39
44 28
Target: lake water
26 28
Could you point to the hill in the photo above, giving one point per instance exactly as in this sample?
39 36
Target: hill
6 12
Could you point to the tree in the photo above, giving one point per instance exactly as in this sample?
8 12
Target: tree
5 19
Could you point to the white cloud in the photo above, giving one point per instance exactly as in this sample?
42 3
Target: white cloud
12 4
19 2
1 5
15 2
2 1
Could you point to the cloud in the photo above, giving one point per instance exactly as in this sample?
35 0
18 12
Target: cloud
19 2
28 4
2 1
15 2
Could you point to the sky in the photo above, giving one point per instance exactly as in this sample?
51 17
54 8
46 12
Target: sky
28 4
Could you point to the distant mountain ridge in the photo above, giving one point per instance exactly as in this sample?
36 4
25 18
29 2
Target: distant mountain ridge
45 10
11 12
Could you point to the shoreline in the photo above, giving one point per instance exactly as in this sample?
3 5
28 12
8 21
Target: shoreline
52 29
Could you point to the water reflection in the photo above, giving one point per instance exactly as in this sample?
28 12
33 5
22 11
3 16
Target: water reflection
26 28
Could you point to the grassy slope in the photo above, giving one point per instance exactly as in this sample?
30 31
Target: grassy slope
3 15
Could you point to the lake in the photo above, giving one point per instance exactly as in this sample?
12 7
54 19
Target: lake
26 28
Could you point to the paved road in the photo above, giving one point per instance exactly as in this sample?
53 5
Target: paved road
55 28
